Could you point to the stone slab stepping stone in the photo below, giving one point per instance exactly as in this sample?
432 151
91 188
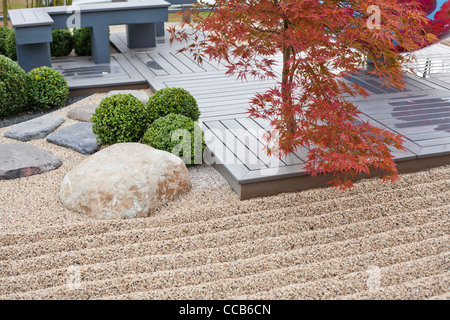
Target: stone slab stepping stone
78 137
21 159
142 96
82 113
34 129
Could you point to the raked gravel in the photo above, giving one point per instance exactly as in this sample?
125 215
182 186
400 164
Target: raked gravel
375 241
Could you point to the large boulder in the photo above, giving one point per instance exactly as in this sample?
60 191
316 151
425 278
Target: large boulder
125 180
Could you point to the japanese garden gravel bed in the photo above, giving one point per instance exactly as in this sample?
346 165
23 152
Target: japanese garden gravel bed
377 241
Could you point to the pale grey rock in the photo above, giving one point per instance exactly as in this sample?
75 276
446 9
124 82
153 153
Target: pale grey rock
78 137
82 113
142 96
125 180
34 129
21 159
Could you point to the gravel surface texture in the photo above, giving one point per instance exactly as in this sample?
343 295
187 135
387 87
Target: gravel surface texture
383 241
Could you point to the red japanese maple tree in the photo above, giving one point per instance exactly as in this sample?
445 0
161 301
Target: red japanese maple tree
321 42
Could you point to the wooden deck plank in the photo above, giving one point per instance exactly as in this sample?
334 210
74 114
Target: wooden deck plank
388 113
300 153
218 103
221 155
194 66
146 72
167 66
274 174
291 159
434 151
226 86
208 66
232 143
435 142
150 63
177 63
82 72
420 136
247 135
412 148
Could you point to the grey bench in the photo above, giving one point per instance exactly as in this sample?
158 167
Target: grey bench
34 27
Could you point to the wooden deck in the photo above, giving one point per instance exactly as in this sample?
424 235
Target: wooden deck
421 114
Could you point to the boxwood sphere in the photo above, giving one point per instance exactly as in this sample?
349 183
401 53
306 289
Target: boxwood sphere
13 91
173 100
4 31
47 88
10 45
62 43
159 136
120 118
82 41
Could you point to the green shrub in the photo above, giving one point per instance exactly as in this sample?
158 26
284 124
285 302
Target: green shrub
47 88
173 100
177 134
62 44
10 45
4 31
120 118
13 93
82 41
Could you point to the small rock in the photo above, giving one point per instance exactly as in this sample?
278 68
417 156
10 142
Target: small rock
142 96
78 137
20 159
82 113
34 129
125 180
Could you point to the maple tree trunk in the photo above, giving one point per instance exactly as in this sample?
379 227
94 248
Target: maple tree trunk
285 93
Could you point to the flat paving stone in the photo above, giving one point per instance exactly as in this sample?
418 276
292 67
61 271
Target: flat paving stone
82 113
78 137
142 96
34 129
21 159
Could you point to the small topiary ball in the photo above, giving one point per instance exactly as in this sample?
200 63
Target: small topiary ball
4 31
120 118
82 41
47 88
62 43
173 100
179 135
10 45
13 93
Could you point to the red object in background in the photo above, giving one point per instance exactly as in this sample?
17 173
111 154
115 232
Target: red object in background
444 13
440 25
427 6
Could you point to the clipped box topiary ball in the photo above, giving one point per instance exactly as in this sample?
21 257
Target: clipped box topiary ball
13 93
47 88
4 31
10 45
173 100
62 44
120 118
82 41
179 135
